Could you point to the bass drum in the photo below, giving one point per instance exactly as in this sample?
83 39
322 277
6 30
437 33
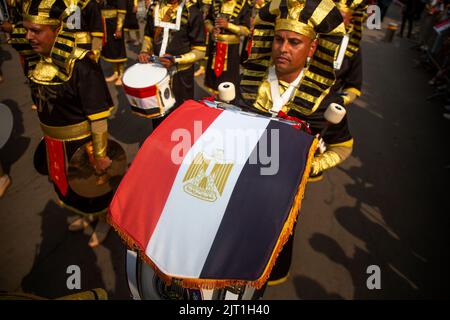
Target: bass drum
145 284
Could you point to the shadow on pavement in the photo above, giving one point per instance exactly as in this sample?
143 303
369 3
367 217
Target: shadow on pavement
60 249
17 144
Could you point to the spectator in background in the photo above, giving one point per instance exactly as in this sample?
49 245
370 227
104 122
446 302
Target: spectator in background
410 11
384 6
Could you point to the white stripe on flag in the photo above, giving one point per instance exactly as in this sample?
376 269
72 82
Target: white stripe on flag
188 225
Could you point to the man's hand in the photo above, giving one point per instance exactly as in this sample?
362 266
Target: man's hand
135 9
118 34
221 23
168 61
6 26
101 164
144 57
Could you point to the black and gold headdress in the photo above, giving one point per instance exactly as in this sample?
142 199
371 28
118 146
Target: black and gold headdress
57 68
358 8
316 19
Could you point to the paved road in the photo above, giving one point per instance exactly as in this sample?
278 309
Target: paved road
386 206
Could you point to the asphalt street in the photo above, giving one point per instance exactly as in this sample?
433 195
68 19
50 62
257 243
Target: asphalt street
387 205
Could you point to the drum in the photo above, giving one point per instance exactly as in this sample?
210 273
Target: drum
6 124
212 220
144 284
147 87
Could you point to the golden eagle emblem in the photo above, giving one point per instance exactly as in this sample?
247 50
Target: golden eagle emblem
206 176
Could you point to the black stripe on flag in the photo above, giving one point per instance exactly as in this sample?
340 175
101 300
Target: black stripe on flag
257 210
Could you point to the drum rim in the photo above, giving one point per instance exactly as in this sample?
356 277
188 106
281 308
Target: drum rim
142 66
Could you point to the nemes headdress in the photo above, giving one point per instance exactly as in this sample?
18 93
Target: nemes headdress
358 8
64 53
316 19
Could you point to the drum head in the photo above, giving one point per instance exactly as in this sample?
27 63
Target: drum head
40 158
83 178
6 124
143 75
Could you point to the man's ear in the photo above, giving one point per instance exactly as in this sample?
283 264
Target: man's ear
312 48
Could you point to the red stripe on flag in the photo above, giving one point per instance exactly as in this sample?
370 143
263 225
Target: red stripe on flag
146 186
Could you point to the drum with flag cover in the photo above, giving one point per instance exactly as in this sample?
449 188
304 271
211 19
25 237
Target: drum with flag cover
210 200
147 87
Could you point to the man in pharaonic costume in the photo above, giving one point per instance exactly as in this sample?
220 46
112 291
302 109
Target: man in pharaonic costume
289 72
73 106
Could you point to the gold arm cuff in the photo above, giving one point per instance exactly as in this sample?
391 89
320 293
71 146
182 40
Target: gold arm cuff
97 34
228 38
109 13
100 143
209 25
147 46
353 90
68 133
82 37
239 30
120 19
324 161
191 57
97 47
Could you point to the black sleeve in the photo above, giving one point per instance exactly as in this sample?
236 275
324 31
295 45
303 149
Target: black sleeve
196 27
353 79
122 5
245 15
149 28
94 17
92 90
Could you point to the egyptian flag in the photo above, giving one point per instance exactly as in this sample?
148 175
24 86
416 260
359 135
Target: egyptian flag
212 195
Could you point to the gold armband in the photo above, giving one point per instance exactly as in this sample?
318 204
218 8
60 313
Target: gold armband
120 20
196 54
147 46
239 30
209 25
334 155
96 47
351 95
99 137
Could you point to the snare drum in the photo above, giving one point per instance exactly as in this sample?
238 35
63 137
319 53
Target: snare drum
147 87
144 284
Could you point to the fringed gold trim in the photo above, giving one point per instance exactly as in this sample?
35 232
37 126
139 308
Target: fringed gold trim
291 220
217 283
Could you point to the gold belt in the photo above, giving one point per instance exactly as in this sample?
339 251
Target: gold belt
228 38
68 133
109 13
83 37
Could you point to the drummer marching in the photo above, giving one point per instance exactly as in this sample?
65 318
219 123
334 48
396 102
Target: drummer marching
174 32
306 37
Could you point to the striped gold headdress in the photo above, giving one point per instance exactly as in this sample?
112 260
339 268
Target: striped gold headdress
358 8
64 53
48 12
316 19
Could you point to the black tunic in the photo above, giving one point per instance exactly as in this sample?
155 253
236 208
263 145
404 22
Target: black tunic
91 21
114 49
131 21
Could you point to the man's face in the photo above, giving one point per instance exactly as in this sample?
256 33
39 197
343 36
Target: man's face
41 36
289 51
